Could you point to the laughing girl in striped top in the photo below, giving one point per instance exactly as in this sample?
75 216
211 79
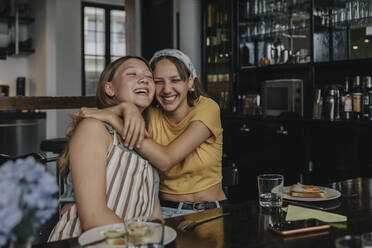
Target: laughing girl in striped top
107 182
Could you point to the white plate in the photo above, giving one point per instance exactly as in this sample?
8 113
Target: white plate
97 233
331 194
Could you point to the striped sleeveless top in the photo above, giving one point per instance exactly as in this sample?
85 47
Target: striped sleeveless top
132 189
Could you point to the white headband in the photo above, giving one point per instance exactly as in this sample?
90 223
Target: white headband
177 54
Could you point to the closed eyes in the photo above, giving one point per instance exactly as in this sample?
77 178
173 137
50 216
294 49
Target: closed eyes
176 80
134 74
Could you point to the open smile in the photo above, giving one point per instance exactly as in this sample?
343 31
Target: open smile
168 99
141 91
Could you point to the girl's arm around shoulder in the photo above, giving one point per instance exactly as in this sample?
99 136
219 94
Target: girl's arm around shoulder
165 157
132 128
205 123
88 150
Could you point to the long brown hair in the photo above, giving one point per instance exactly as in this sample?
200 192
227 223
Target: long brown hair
102 101
184 74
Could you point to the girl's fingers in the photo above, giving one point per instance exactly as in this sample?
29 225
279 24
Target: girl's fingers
69 130
141 135
135 136
147 135
125 128
82 111
128 138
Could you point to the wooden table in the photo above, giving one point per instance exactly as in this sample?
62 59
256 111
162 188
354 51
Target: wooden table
246 226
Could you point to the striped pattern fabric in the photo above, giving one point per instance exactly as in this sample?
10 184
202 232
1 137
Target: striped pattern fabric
130 191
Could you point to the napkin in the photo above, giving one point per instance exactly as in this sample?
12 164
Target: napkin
301 213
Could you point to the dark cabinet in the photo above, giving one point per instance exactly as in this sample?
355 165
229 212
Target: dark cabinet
337 150
283 146
333 149
242 145
259 147
364 137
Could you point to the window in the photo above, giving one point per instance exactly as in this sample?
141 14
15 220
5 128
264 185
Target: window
103 41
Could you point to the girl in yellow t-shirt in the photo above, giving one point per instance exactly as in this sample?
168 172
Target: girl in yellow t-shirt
184 139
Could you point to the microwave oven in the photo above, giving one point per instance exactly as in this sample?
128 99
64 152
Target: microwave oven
282 95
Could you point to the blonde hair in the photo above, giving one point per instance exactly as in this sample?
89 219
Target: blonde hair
103 100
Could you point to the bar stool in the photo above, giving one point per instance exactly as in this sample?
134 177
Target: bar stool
53 145
56 146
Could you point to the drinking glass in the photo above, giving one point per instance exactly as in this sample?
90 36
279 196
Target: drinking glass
367 240
144 232
270 189
348 241
349 15
269 216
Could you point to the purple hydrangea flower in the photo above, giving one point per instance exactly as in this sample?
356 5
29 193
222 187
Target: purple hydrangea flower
25 186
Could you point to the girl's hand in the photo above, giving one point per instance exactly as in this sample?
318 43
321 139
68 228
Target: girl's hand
95 113
134 128
99 114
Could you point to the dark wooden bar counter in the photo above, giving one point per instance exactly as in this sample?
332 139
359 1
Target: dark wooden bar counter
246 226
45 102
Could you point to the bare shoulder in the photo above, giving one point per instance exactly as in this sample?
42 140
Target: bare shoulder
92 129
90 124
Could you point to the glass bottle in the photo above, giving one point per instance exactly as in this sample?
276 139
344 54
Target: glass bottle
366 97
244 56
337 103
347 101
369 92
357 99
318 105
307 176
330 105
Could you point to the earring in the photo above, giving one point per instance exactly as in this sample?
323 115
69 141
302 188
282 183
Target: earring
110 92
191 89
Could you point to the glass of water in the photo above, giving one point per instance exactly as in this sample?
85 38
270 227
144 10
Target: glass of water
270 190
144 232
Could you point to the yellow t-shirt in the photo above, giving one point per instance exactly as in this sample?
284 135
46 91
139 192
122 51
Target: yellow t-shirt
201 169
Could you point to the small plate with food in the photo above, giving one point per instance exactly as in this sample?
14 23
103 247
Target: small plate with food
301 192
112 236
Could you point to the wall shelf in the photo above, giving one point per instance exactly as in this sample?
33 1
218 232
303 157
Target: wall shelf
258 35
275 67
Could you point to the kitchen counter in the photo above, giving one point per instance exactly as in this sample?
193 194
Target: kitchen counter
23 125
21 133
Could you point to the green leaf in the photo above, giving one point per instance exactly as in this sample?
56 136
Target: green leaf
25 229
